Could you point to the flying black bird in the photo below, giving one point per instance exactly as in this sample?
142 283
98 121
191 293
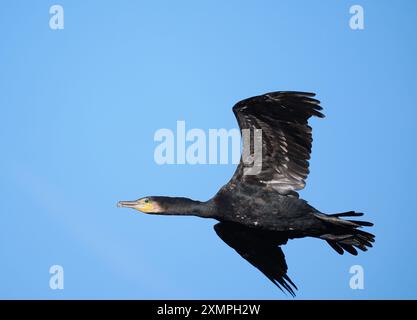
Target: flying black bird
259 212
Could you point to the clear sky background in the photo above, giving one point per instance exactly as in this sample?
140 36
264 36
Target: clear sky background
80 106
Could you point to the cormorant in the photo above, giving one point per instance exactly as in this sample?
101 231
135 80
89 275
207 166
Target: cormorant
258 213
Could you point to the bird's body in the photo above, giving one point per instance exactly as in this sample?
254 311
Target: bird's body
259 212
248 205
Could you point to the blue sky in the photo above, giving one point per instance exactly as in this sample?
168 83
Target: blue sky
80 106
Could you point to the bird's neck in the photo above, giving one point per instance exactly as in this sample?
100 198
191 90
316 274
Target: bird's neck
187 207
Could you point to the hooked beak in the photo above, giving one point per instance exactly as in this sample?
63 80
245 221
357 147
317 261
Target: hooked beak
127 204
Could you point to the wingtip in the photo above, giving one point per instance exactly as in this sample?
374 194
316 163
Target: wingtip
285 283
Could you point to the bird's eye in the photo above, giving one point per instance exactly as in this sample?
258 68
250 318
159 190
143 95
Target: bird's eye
146 200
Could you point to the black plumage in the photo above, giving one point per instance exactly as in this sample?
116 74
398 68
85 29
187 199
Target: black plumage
259 212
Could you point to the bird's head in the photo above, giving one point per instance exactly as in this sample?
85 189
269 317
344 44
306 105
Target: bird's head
146 205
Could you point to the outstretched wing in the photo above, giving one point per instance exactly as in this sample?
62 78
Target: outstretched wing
259 248
286 137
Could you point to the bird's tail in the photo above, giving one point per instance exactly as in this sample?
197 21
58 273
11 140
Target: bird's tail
344 235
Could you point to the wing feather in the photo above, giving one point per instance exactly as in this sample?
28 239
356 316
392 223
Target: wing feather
286 137
261 249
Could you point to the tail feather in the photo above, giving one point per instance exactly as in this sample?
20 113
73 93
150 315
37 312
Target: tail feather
344 235
347 214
